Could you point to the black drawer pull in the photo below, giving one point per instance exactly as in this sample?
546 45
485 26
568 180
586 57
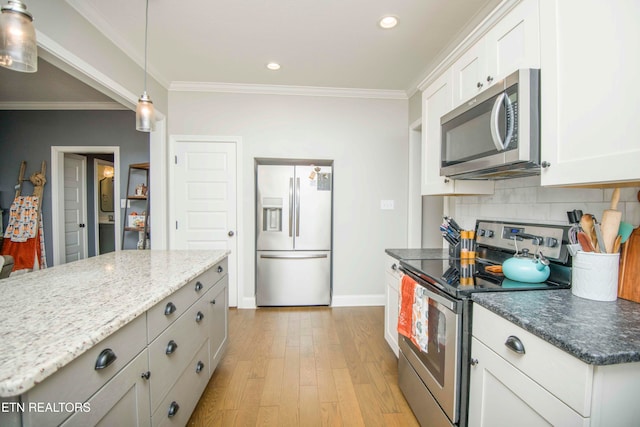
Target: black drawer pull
199 317
220 269
105 358
199 367
213 301
146 375
514 344
199 286
173 409
169 309
171 347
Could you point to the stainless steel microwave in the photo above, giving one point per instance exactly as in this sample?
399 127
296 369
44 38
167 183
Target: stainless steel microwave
495 135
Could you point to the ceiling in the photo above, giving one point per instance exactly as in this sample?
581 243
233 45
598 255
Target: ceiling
319 43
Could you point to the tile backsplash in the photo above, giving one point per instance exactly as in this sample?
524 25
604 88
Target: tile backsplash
523 199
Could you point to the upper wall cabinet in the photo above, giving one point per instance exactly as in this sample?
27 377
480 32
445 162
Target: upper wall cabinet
514 42
437 100
590 82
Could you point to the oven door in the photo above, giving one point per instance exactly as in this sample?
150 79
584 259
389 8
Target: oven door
439 367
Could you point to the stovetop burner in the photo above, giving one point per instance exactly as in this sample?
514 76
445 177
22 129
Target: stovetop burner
460 278
496 241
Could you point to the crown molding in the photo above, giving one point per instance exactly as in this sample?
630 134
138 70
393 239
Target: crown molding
286 90
61 106
90 13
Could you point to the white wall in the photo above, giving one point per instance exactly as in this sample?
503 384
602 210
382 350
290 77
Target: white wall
367 139
523 199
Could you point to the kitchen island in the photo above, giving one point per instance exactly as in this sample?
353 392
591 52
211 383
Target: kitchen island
554 357
52 320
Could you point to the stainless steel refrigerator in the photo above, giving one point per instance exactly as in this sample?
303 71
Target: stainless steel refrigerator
294 222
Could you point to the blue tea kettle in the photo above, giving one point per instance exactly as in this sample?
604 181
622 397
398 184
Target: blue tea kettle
526 268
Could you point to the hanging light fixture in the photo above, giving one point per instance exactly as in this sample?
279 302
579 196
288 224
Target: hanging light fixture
145 114
18 49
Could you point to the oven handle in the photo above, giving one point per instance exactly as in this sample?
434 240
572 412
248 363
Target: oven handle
441 299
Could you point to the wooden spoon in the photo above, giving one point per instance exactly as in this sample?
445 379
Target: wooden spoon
616 244
586 223
585 242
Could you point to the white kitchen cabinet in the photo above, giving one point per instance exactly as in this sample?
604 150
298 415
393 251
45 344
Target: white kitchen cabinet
96 368
393 280
590 53
123 401
512 43
437 100
543 385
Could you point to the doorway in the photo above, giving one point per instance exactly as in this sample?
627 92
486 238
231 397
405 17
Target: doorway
58 154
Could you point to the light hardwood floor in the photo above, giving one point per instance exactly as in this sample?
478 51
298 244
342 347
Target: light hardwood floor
309 366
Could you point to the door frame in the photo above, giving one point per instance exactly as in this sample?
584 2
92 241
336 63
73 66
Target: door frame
174 140
57 193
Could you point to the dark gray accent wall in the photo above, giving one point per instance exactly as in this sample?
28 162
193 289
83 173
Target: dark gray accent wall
29 135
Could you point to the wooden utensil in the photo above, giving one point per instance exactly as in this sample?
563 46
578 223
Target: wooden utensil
616 244
585 242
611 221
586 223
629 274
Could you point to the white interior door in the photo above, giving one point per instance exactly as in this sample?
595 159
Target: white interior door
203 200
75 208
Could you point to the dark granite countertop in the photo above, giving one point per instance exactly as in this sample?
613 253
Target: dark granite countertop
598 333
429 253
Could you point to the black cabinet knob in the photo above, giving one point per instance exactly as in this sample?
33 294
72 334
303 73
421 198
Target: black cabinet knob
172 346
169 309
199 286
173 409
105 358
199 317
146 375
199 367
220 269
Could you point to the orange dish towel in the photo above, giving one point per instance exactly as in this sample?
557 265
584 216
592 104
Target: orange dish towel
405 316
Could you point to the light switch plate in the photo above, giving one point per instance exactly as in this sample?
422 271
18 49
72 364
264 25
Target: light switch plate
387 204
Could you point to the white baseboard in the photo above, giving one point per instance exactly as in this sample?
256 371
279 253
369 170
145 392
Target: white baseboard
338 301
357 300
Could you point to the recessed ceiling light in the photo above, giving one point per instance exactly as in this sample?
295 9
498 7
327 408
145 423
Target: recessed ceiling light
388 22
273 66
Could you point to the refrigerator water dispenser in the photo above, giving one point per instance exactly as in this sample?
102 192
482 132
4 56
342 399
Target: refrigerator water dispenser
272 214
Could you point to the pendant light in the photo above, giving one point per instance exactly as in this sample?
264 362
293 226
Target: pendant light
18 49
145 113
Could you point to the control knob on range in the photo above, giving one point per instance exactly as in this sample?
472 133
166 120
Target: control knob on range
481 232
489 233
551 242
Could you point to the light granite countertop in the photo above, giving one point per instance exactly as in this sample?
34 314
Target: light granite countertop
596 332
50 317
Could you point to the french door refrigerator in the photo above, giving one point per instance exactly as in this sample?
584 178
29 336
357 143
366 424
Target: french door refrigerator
293 246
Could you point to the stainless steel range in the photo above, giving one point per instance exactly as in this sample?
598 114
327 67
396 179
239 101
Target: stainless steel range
435 382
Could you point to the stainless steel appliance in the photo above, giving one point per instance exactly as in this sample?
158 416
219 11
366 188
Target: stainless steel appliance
436 382
293 233
496 135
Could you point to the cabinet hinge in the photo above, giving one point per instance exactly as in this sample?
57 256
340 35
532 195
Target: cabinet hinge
175 158
176 225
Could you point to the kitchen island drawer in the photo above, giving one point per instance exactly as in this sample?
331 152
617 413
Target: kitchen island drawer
81 378
563 375
163 314
177 406
172 350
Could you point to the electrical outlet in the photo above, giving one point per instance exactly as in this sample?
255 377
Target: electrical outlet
125 203
386 204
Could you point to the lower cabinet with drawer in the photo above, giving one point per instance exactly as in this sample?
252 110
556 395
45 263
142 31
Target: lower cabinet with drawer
151 372
518 378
